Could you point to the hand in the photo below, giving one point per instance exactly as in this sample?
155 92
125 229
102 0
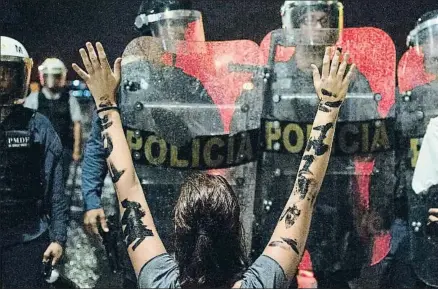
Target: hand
331 86
100 79
19 101
53 250
76 156
92 218
433 217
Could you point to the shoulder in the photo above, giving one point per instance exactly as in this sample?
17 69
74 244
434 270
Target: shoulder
286 68
430 89
160 272
189 89
265 272
44 127
31 101
358 76
33 95
41 121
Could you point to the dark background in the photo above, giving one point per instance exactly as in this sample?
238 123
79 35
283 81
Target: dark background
58 28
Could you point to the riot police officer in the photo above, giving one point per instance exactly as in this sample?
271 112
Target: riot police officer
149 21
62 109
33 205
167 20
413 250
334 243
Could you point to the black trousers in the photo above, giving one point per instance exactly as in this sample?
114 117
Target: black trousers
21 264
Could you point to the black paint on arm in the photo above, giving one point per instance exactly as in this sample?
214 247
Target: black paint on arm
292 243
290 215
327 93
108 144
303 181
115 174
318 144
327 106
105 102
105 122
135 230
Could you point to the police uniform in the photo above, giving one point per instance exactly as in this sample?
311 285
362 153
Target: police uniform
413 113
336 250
62 111
32 201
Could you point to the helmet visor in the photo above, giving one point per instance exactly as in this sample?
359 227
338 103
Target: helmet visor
312 22
13 81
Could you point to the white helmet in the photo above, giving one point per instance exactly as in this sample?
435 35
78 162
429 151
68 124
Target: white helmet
50 69
15 68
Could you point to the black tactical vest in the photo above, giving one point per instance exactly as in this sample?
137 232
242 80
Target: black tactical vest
21 163
58 112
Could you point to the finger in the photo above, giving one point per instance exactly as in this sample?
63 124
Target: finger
81 72
343 67
55 259
335 64
117 68
94 227
88 225
433 211
47 254
93 57
433 219
326 63
103 224
102 58
349 76
316 76
86 61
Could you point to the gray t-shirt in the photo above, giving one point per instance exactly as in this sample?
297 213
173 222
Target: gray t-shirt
162 272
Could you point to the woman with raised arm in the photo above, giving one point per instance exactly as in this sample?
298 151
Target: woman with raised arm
208 230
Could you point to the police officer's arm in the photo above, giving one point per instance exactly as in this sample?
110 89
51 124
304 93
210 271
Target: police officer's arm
287 243
138 226
77 136
75 112
94 170
55 194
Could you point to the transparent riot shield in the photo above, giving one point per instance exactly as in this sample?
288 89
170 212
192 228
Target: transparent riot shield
177 108
350 225
416 107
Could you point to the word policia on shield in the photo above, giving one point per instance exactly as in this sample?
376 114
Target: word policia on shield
205 152
209 152
350 138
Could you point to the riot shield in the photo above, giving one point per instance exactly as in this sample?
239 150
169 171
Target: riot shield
411 72
177 108
350 225
416 107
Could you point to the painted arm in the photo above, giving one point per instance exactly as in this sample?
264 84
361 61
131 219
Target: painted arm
138 227
288 241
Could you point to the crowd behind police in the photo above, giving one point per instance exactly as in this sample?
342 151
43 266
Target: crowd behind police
41 136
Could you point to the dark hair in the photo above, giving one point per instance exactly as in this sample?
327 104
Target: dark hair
208 233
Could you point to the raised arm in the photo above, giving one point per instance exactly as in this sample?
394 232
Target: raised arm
139 230
288 241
